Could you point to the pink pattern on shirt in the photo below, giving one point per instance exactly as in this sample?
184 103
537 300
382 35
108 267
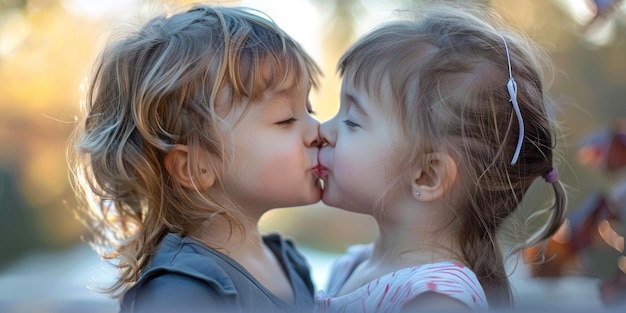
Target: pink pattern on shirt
390 292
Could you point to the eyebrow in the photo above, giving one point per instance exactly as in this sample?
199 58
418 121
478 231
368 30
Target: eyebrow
356 103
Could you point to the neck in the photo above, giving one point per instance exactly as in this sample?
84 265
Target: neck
229 239
420 237
245 246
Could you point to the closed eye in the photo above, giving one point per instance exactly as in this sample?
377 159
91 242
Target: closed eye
287 121
351 124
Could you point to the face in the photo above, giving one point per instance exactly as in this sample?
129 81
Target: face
275 151
359 146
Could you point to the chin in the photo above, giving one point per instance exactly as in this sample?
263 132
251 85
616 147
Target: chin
327 200
316 192
315 197
335 200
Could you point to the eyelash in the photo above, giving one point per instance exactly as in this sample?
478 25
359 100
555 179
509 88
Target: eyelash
351 124
287 122
293 119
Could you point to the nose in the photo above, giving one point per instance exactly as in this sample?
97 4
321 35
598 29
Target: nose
312 136
328 133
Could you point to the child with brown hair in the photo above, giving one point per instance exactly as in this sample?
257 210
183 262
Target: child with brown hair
444 124
197 124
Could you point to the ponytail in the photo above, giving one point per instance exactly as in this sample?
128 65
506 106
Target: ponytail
557 211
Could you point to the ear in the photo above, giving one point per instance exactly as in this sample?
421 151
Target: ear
177 165
435 178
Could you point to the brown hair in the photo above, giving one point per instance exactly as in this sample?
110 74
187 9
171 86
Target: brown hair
161 85
443 75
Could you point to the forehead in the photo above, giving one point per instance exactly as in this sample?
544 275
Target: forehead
278 75
268 80
378 101
292 83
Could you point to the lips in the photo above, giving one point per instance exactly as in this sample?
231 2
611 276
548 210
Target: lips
320 171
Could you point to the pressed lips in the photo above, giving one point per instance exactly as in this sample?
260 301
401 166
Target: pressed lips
320 171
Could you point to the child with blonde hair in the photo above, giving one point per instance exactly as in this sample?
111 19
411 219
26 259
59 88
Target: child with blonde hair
444 124
197 124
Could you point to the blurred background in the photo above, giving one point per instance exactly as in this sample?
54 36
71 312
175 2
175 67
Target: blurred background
47 47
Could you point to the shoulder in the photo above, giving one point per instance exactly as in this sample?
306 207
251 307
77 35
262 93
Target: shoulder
344 265
182 272
186 257
435 302
172 292
448 283
450 272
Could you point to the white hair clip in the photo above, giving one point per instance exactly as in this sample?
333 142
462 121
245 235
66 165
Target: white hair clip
511 85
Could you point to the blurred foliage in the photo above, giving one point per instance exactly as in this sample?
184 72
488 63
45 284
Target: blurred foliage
11 4
46 48
40 70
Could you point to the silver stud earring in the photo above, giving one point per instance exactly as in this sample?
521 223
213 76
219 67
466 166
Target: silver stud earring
417 194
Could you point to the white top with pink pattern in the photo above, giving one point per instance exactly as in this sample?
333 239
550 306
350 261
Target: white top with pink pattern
390 292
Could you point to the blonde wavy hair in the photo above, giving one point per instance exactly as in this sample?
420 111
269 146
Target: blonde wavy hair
443 74
167 83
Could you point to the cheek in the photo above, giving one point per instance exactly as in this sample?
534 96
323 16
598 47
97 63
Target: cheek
346 168
353 163
356 173
279 163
